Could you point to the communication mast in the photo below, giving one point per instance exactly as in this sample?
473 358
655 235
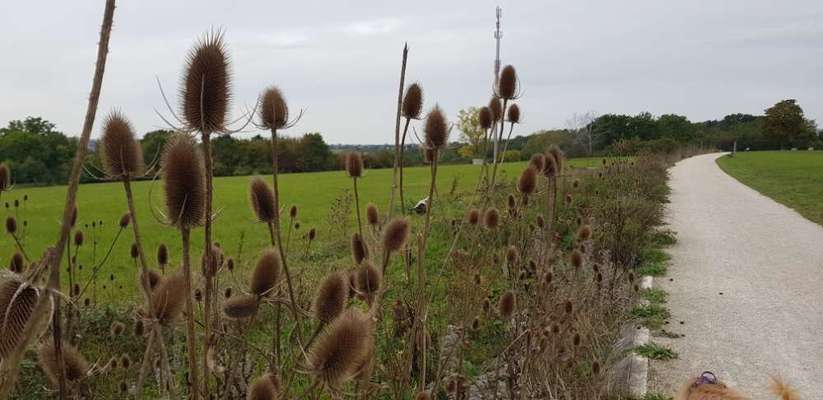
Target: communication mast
498 34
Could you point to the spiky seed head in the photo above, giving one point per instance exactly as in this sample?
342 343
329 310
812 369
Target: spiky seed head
512 255
487 305
312 233
11 225
75 366
274 111
568 199
395 234
293 212
476 323
117 328
265 387
538 162
125 361
473 216
413 101
184 182
559 157
550 169
372 215
154 278
266 273
241 306
169 298
576 259
512 203
506 305
5 177
205 91
492 218
359 251
354 164
496 108
227 292
17 303
514 114
507 84
134 252
330 297
484 118
338 352
17 264
125 219
230 264
436 129
584 233
595 368
78 238
541 222
262 200
162 254
121 154
527 183
576 340
423 395
367 279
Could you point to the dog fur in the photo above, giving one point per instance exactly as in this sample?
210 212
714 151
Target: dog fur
720 391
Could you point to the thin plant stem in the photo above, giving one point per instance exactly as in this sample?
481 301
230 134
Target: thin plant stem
275 340
397 152
207 256
191 337
401 161
357 208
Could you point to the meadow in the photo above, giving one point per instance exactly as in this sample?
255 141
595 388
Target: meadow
103 204
792 178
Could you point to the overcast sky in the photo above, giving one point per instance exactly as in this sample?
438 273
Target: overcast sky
339 60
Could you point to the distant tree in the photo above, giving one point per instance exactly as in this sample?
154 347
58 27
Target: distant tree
581 125
313 152
540 141
36 151
785 123
470 131
152 144
676 127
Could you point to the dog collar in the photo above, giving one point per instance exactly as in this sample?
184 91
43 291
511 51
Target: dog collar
706 378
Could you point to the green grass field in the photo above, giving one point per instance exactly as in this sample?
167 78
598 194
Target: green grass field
794 178
313 193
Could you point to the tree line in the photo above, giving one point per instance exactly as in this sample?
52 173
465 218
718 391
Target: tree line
40 154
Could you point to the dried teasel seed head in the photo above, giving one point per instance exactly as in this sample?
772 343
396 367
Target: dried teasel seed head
576 184
262 200
513 114
507 305
367 279
354 164
230 264
154 278
507 83
423 395
266 272
125 361
473 216
205 91
559 158
372 215
476 323
538 162
338 352
162 255
569 307
487 305
17 263
17 303
512 255
5 177
395 234
265 387
293 212
496 108
568 199
359 251
512 203
121 154
596 368
550 168
134 252
576 340
227 292
576 259
184 182
169 298
484 118
198 295
274 111
117 328
413 102
527 183
125 219
584 233
330 297
312 233
11 225
492 218
541 222
436 129
75 366
241 306
78 238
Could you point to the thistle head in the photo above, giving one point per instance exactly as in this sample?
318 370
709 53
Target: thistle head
184 183
354 164
484 118
274 111
266 272
120 153
492 218
513 114
205 93
372 215
436 129
507 83
527 183
413 102
496 108
336 355
330 297
262 200
395 234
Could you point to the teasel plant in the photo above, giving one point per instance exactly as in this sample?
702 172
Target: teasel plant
185 189
354 168
273 113
508 89
122 159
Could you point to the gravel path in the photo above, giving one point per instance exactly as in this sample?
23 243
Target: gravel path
745 284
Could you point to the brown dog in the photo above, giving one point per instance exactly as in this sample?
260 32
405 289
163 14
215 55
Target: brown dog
707 387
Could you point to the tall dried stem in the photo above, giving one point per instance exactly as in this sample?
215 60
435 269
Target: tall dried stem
397 146
191 337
